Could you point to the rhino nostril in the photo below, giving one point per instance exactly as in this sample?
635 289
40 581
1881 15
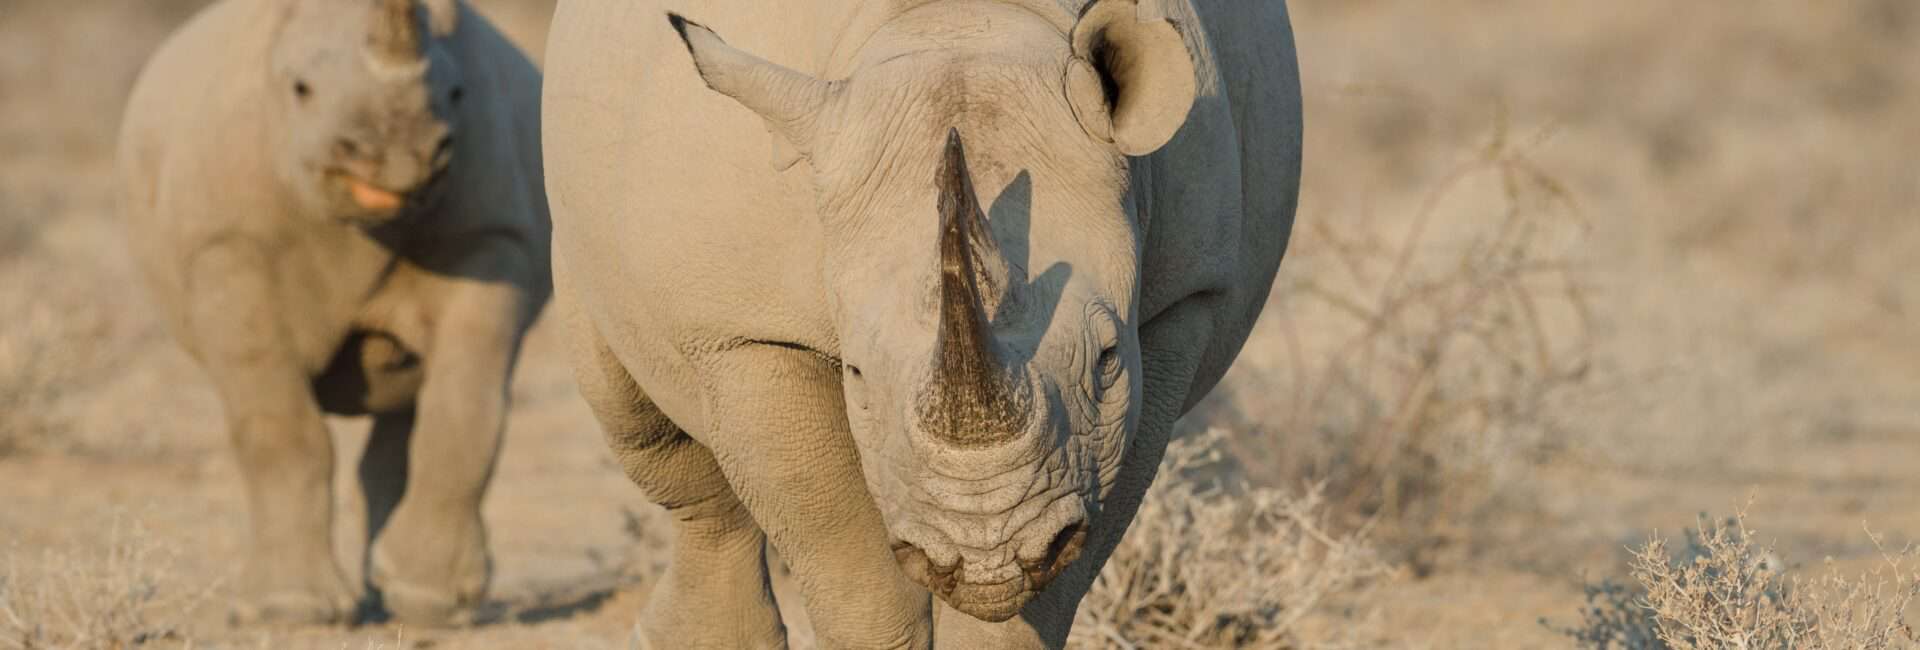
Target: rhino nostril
921 568
906 552
1062 551
1067 543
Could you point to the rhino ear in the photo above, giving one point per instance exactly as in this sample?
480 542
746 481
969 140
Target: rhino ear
1131 78
443 16
789 101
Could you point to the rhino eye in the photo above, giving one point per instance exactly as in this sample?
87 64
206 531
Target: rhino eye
1107 369
458 93
856 387
301 89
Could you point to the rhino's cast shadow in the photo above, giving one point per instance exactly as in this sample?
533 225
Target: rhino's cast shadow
1011 220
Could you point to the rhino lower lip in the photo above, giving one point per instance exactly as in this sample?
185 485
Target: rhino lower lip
979 599
990 602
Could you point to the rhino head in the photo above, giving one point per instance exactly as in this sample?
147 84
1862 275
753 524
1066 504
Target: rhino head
368 100
992 404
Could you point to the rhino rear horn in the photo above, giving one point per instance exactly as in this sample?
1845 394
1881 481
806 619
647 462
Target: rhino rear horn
394 33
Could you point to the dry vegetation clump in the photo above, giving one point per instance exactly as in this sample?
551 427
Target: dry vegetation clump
42 351
67 299
1213 563
1423 373
1723 590
113 598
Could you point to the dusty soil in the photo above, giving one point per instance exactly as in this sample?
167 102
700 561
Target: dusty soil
1746 241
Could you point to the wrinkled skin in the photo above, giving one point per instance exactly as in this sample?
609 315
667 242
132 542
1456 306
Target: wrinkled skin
338 205
913 290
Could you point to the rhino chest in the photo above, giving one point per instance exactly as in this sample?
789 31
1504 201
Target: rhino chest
378 361
326 281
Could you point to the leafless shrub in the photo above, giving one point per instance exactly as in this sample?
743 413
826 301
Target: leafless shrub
1213 563
1725 591
1422 374
110 599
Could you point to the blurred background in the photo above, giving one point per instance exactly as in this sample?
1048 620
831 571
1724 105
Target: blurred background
1565 277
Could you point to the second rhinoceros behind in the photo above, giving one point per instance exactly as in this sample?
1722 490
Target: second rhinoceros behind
339 207
933 350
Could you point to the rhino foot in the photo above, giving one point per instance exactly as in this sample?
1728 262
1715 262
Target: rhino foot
329 605
425 605
429 584
638 640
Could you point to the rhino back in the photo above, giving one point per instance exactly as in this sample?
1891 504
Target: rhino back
672 250
194 94
498 168
672 229
190 162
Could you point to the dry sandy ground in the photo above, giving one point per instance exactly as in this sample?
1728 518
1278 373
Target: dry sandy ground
1747 233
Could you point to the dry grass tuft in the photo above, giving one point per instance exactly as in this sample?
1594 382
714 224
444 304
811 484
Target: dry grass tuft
40 354
109 599
1213 563
1724 591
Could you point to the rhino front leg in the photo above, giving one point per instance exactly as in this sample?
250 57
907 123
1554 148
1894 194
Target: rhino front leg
779 432
718 562
287 458
281 443
430 564
383 473
1170 349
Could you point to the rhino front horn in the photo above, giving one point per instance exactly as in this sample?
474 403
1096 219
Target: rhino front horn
394 33
973 398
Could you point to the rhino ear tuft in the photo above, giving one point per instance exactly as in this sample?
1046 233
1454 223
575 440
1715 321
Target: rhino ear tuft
679 24
790 102
1131 80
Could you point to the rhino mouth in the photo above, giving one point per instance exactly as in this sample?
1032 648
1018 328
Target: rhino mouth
991 600
373 199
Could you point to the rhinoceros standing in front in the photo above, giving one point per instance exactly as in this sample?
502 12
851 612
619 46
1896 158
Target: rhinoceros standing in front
914 290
